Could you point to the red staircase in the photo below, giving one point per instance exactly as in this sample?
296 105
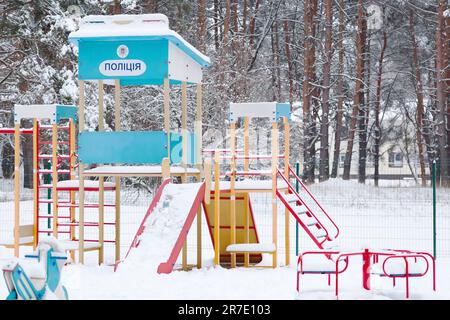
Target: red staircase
318 225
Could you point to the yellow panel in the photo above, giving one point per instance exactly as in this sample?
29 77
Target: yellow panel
225 226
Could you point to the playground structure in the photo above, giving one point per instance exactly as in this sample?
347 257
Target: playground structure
172 61
388 263
60 155
230 216
134 50
149 53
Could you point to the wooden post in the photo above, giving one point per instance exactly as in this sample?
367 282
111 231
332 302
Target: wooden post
35 182
16 187
198 127
167 113
184 253
207 198
101 180
184 131
72 177
286 174
233 191
246 143
165 168
81 214
81 106
81 178
55 178
216 208
101 219
274 191
199 237
117 179
246 228
208 178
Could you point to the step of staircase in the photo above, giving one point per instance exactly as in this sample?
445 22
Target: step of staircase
290 198
299 210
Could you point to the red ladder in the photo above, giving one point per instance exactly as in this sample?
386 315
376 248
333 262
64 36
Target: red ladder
308 220
67 222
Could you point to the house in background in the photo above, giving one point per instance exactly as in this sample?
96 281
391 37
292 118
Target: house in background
398 149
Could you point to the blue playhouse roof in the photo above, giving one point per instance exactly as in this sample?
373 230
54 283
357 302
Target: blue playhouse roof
147 27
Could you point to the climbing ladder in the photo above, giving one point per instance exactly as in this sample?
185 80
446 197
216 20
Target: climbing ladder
317 223
50 219
44 172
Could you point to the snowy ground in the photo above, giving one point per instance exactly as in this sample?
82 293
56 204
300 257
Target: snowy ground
100 282
368 216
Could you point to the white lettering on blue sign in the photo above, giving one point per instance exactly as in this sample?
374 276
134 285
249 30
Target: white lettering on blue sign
123 68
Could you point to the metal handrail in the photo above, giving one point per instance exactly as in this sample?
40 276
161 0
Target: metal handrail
321 208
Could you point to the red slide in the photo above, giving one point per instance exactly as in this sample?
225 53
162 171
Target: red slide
166 224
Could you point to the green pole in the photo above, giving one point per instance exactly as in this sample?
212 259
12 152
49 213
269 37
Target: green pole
433 174
297 172
48 180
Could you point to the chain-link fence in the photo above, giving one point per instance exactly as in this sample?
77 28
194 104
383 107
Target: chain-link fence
396 214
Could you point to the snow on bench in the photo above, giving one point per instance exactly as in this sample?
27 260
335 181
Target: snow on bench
252 247
319 263
397 267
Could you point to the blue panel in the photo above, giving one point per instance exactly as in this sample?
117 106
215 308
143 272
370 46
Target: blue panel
283 110
144 39
176 148
142 63
66 112
192 147
122 147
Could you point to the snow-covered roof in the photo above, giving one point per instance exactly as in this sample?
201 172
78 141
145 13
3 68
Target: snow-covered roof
144 27
53 112
271 110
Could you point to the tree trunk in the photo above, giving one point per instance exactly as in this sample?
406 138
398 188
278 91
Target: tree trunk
226 23
252 25
152 6
364 112
201 24
441 96
289 62
116 8
274 65
447 83
216 25
340 93
277 60
7 160
377 131
419 92
324 167
308 91
306 95
358 87
27 160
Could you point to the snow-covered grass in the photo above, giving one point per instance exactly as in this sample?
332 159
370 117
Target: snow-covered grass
100 282
396 217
